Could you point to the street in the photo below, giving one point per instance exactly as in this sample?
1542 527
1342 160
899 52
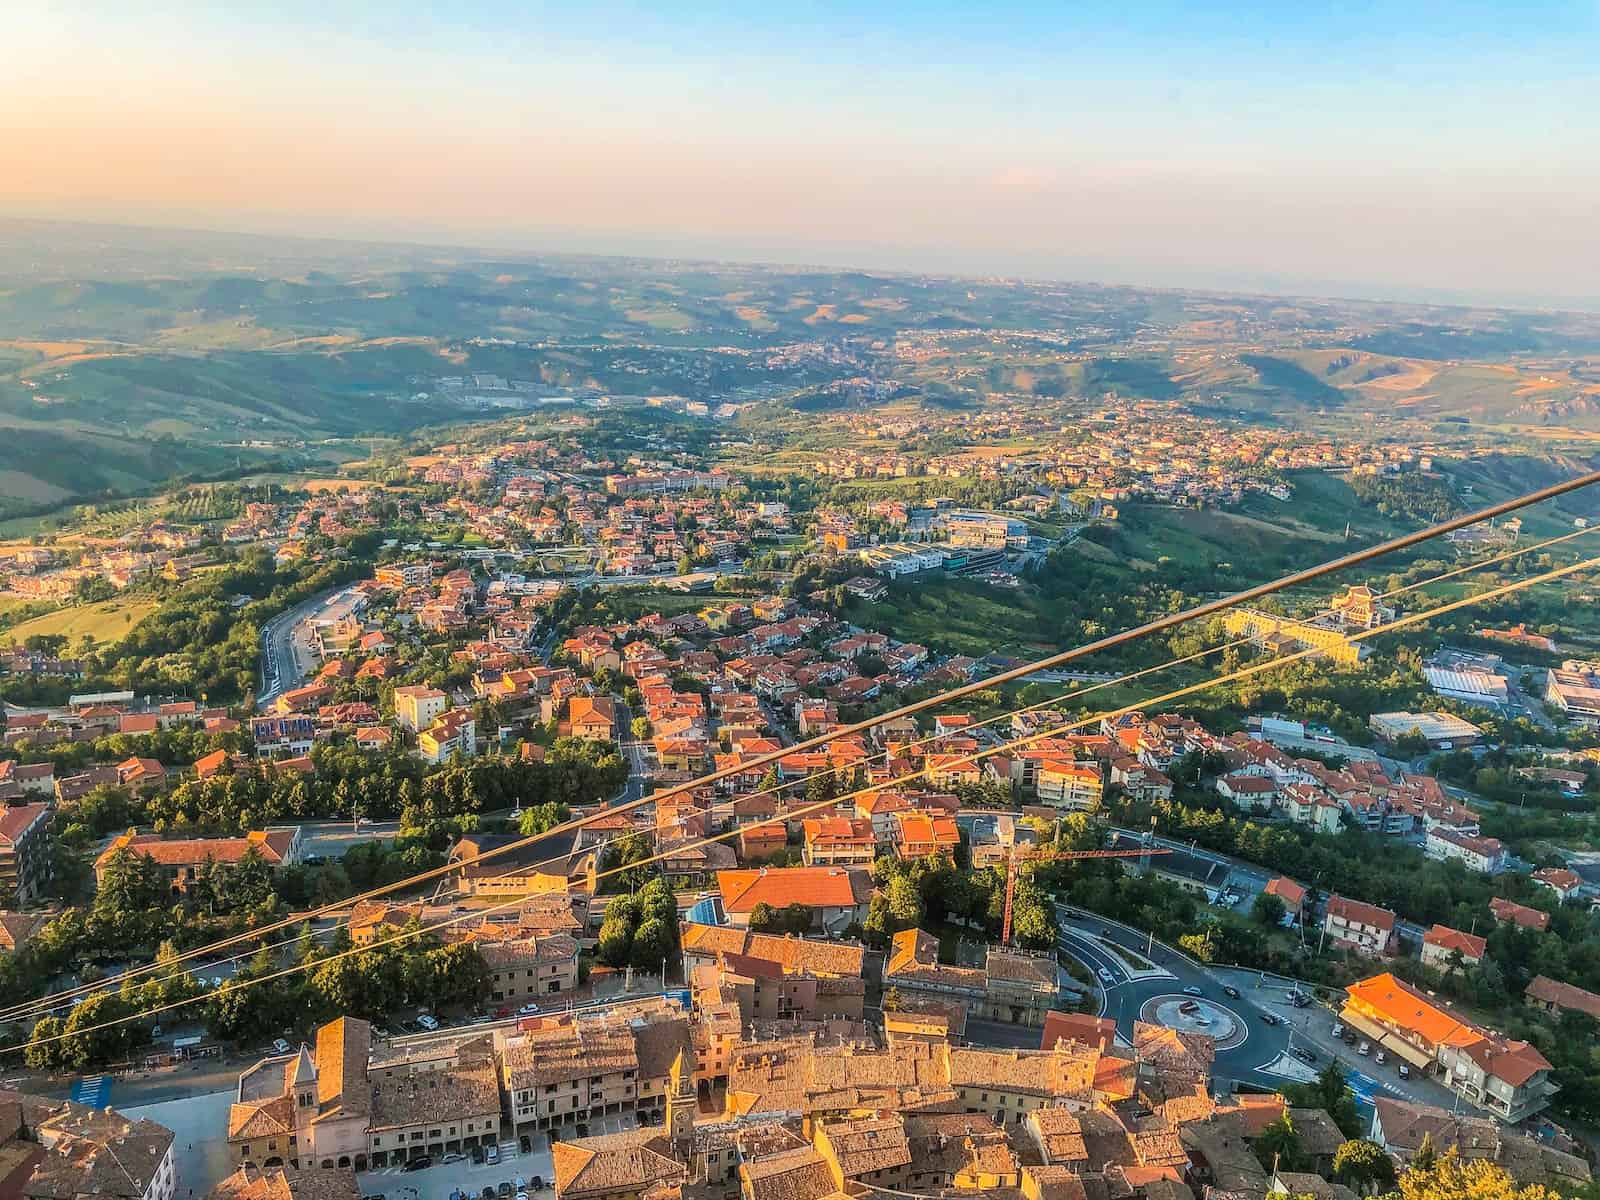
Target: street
1147 981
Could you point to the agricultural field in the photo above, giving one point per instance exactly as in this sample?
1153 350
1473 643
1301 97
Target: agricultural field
104 621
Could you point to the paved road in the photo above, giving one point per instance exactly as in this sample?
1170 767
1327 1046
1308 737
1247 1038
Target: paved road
1132 993
285 649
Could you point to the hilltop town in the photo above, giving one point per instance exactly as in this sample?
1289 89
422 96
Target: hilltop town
530 810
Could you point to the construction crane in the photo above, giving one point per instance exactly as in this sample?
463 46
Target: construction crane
1014 860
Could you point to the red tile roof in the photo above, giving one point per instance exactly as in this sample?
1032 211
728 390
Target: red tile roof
815 887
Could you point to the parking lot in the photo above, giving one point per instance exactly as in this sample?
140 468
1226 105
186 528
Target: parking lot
438 1181
463 1175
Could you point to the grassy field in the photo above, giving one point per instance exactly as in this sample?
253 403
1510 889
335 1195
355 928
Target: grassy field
106 621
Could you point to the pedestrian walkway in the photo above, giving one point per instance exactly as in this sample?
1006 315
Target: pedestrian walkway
93 1091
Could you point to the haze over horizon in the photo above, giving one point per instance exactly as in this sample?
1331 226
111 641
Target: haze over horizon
1442 152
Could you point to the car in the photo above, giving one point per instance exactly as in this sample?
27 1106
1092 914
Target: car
487 1193
155 1031
527 1010
527 1144
1305 1054
522 1196
477 1156
1106 977
421 1163
491 1154
453 1158
1187 1007
1381 1058
1105 931
1191 990
504 1189
1337 1030
280 1046
583 1130
1364 1048
1271 1019
427 1022
216 981
1405 1071
1299 999
1230 991
520 1184
537 1183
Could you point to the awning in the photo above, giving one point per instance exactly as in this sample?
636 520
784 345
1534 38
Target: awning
1417 1058
1361 1025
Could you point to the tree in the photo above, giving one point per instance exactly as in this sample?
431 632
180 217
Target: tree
1269 910
44 1049
640 727
892 1001
763 917
652 944
1031 918
1448 1178
905 905
1363 1166
1278 1147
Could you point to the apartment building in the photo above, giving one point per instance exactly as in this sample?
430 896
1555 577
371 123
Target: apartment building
1441 944
1071 786
1508 1078
441 1099
1364 928
1483 855
184 860
839 841
25 859
417 707
450 734
568 1069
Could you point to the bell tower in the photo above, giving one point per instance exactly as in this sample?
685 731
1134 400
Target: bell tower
681 1103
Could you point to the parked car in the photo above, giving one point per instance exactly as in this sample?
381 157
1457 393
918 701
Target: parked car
428 1022
1229 990
1304 1054
1191 990
1299 999
527 1144
1381 1058
1337 1030
504 1189
477 1157
1364 1048
1187 1007
491 1154
1405 1071
280 1046
527 1010
537 1183
418 1164
522 1196
487 1193
453 1158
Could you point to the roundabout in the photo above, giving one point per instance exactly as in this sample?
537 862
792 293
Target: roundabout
1196 1014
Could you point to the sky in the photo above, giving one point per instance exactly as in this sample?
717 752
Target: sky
1408 150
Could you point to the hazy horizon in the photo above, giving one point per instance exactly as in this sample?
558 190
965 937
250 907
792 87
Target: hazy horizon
1438 154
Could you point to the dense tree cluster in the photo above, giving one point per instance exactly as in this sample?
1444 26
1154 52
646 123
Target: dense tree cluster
640 930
